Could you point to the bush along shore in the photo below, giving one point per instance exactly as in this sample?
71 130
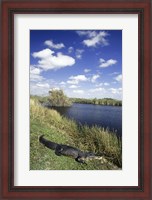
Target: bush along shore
48 122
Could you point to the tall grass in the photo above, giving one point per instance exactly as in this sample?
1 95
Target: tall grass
100 141
62 130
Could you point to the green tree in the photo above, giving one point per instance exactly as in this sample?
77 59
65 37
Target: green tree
58 98
95 101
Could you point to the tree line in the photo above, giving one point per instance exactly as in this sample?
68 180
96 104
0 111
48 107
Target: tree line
95 101
58 98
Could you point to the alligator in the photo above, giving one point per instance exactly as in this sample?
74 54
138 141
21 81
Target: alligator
66 150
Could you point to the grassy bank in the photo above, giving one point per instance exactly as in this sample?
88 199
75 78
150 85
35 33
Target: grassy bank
62 130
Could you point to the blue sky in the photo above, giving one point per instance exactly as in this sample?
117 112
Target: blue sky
84 63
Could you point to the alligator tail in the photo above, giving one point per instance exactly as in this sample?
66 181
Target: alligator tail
47 143
41 138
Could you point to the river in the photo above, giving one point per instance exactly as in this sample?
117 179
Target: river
105 116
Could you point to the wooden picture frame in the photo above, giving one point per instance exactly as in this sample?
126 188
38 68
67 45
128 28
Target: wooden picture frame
9 9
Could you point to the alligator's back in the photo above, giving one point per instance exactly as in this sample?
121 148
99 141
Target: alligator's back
47 143
68 151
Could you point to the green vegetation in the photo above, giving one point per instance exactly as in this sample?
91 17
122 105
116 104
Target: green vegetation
105 101
41 99
62 130
58 98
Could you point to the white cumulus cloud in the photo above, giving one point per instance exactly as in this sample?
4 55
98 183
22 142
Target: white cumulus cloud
87 33
77 79
73 86
101 84
106 84
104 63
62 83
116 90
70 49
114 73
87 70
43 54
97 90
94 38
118 78
94 78
43 85
35 74
35 70
50 43
48 61
39 88
78 53
78 91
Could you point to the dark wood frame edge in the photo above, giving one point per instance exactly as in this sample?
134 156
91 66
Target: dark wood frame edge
13 189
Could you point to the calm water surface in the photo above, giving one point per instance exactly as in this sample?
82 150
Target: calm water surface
105 116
